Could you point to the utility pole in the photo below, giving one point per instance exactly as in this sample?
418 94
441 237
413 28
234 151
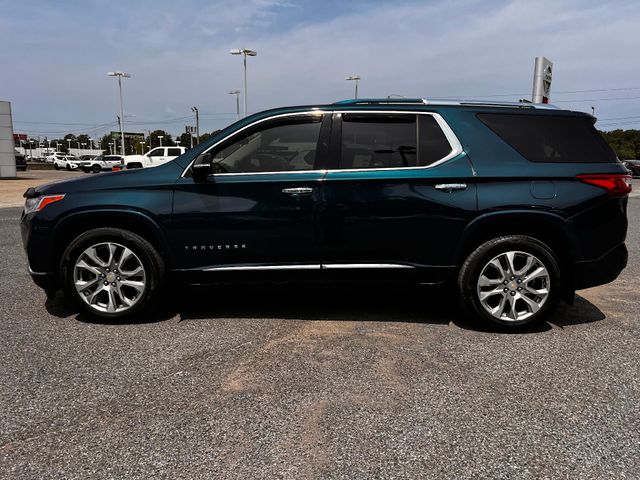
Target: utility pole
195 109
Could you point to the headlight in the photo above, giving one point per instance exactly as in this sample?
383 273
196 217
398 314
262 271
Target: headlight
36 204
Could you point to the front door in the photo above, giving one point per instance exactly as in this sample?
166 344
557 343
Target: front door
259 209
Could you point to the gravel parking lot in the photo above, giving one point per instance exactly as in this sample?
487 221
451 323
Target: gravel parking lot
332 383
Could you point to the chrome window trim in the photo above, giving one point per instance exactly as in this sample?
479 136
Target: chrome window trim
454 143
257 122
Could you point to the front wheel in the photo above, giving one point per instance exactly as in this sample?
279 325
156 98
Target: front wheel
112 273
510 281
96 169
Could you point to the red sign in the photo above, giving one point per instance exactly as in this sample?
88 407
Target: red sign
19 136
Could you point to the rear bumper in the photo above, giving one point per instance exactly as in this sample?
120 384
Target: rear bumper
603 270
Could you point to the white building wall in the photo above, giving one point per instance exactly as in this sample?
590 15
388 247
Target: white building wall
7 156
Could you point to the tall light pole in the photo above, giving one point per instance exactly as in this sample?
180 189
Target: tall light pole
237 94
69 142
120 75
141 148
160 137
195 110
111 148
355 78
244 52
91 145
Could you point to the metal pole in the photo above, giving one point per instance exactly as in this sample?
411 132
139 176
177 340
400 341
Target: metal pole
197 125
238 105
245 83
357 89
121 116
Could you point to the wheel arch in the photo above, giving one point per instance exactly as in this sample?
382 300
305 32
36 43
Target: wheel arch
549 228
137 222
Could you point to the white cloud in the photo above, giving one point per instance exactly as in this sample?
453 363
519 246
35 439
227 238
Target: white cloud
179 55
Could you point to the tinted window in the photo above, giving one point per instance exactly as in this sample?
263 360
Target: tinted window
288 145
545 138
174 152
158 152
391 141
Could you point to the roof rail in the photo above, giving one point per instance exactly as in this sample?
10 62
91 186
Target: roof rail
422 101
382 101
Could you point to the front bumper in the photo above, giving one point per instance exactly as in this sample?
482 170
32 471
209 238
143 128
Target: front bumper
603 270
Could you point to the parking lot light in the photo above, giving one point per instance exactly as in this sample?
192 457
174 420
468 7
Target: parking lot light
120 75
244 52
160 137
237 94
355 78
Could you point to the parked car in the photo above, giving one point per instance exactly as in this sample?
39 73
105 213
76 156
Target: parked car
515 206
75 162
69 162
153 158
633 166
21 162
101 163
51 158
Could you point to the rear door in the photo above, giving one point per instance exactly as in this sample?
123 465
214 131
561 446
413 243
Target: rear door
399 192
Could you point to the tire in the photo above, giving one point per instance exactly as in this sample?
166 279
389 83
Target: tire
513 304
96 169
125 293
55 165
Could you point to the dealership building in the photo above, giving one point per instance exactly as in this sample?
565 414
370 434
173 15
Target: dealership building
7 156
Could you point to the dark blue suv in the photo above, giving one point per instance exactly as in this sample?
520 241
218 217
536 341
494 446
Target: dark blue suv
516 205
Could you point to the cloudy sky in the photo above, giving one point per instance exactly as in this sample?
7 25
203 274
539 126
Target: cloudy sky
56 54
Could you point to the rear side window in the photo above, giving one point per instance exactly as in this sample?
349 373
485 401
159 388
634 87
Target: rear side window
556 139
173 152
391 141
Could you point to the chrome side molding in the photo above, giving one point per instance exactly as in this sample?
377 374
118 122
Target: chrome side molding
450 187
306 266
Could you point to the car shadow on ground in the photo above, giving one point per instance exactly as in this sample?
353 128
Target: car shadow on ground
374 304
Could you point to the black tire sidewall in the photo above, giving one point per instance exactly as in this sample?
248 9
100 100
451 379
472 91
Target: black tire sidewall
96 169
152 263
472 268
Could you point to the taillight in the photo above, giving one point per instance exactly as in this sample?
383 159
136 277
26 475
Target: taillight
614 183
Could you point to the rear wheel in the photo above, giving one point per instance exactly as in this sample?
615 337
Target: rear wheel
510 281
112 273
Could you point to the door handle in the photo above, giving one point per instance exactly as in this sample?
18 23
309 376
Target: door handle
298 191
450 187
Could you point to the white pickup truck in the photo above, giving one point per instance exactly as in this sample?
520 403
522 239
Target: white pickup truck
153 158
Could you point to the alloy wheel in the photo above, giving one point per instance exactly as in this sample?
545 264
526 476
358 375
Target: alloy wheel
109 277
513 286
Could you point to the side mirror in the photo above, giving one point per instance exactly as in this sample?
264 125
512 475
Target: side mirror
200 171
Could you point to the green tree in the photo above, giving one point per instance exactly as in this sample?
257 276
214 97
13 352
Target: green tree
626 143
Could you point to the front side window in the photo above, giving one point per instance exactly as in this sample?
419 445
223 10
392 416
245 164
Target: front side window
284 145
158 152
391 141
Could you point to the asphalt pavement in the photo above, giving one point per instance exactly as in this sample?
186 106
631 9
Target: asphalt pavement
305 383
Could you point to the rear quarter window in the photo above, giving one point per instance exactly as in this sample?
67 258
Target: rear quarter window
546 138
